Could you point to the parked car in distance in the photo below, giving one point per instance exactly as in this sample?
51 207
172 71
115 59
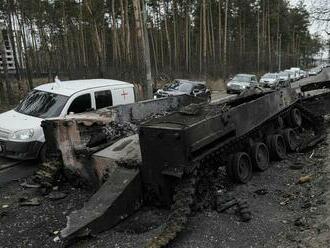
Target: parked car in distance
303 74
293 75
21 136
184 87
270 80
284 76
314 71
241 82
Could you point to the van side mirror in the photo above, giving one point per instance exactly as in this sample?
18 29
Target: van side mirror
90 109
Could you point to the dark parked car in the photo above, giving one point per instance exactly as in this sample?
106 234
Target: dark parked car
184 87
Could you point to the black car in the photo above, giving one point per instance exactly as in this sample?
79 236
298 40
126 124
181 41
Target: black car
184 87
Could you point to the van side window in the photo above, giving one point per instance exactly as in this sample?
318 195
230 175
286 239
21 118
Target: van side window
81 104
103 99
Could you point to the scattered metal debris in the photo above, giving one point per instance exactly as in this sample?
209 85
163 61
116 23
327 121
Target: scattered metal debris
30 202
28 185
54 196
304 179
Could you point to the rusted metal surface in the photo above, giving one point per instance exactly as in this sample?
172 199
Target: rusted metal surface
70 136
117 198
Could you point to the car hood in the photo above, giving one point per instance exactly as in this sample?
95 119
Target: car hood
233 82
171 93
270 80
13 121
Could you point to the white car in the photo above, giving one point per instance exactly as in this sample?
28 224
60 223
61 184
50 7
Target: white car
270 80
21 136
293 75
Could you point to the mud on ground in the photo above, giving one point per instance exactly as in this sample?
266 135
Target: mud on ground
284 212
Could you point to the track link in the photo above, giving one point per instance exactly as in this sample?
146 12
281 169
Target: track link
184 195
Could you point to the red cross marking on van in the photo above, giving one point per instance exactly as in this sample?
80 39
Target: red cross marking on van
124 94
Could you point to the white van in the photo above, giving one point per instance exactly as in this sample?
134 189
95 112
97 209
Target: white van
21 136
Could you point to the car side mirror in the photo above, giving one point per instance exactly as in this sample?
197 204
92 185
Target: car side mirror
90 109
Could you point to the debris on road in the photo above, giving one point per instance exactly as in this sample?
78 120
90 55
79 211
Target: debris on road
28 185
261 191
30 202
54 196
304 179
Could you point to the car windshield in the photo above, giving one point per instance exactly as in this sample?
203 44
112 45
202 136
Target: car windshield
42 104
285 74
272 76
179 86
242 78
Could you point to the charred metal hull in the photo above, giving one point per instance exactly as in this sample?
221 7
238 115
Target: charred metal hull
171 145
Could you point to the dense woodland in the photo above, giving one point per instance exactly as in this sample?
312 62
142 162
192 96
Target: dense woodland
134 39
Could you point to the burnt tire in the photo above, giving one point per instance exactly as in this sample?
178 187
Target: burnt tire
291 139
295 118
277 147
260 157
241 167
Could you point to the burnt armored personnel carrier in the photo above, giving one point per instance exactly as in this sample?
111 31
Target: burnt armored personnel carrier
242 134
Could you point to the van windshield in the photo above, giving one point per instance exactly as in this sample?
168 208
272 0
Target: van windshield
42 104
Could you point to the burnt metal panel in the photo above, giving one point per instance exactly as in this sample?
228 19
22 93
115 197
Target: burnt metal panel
118 198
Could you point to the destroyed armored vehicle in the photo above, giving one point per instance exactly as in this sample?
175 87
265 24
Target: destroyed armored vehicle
164 163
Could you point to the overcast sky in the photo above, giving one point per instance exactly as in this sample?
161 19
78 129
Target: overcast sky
316 27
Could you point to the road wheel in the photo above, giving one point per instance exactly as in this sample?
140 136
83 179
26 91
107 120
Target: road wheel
241 167
260 157
277 147
295 117
291 139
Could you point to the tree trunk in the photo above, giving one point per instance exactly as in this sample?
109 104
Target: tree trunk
143 39
4 71
169 48
225 40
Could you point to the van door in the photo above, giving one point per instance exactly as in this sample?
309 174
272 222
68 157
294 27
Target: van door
103 99
123 96
80 104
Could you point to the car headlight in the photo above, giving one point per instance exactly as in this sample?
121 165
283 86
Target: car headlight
25 134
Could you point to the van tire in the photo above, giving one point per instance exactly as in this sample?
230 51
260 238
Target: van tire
42 156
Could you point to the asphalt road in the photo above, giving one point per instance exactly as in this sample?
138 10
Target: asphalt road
11 170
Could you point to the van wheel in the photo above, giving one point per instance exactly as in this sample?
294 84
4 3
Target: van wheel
43 154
